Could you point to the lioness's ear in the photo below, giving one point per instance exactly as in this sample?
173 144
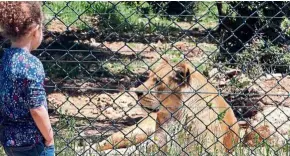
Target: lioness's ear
182 74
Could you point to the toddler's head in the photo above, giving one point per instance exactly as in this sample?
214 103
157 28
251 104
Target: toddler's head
21 21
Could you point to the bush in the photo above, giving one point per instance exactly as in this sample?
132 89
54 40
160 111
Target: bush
285 26
111 16
135 17
246 20
263 56
70 13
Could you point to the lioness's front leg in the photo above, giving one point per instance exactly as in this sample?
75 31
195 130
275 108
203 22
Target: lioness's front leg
131 135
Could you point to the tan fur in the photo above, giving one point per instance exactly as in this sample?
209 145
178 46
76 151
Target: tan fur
180 106
130 135
255 137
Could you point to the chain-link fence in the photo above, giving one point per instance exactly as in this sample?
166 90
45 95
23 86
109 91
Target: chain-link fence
167 78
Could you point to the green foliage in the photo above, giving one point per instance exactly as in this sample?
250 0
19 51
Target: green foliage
70 13
65 136
221 115
119 16
125 18
235 82
285 26
207 14
264 56
244 20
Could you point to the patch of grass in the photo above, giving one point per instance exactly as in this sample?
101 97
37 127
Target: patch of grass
114 67
203 67
126 67
137 66
180 146
262 56
285 26
118 16
207 15
237 83
71 13
208 48
65 139
125 18
175 55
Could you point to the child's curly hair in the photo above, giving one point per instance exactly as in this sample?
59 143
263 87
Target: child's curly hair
17 18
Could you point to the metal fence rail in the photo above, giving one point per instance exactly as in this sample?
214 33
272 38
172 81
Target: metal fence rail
102 59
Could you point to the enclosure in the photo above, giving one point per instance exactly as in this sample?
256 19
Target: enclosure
94 53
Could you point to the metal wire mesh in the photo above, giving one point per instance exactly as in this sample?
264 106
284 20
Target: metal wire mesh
94 53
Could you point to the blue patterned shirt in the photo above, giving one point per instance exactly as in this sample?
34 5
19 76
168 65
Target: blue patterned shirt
21 89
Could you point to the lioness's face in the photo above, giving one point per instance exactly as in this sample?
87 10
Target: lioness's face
163 86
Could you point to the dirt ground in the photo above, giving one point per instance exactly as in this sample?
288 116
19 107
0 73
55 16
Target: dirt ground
122 107
278 89
112 106
111 112
101 107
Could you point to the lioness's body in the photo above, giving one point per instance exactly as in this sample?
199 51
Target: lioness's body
204 114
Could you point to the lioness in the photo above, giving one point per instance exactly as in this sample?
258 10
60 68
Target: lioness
185 102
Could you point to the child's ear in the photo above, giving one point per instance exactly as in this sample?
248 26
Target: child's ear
34 30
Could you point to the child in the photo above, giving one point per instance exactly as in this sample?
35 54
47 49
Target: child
25 125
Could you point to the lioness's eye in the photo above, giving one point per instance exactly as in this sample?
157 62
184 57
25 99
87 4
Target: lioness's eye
157 82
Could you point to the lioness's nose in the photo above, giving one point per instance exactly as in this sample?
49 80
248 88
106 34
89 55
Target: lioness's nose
139 93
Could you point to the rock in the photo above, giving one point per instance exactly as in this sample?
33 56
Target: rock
255 89
272 124
277 75
102 117
232 72
262 78
181 46
213 72
124 151
243 124
109 110
246 103
113 114
222 82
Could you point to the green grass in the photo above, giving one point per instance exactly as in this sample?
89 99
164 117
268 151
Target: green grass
69 13
126 67
110 15
176 147
65 135
207 15
66 143
114 67
124 17
285 26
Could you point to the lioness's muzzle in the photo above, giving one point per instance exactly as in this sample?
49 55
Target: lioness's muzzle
150 109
